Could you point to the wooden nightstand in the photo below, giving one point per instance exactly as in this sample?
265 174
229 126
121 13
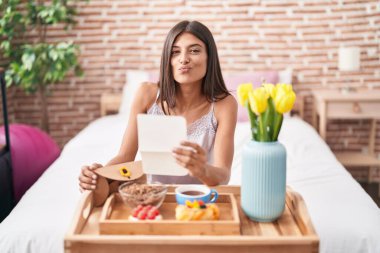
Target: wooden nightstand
299 106
360 105
109 103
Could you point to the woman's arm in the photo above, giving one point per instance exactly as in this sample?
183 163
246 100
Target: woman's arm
195 160
145 97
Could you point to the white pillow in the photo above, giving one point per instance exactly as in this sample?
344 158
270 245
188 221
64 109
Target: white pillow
134 79
285 76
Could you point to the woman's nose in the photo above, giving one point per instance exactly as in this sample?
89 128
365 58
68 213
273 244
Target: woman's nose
183 59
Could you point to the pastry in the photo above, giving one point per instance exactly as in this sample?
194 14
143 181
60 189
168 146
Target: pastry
197 210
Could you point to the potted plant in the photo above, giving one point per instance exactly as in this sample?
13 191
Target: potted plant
263 186
33 63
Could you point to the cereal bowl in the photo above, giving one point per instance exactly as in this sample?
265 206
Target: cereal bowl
134 194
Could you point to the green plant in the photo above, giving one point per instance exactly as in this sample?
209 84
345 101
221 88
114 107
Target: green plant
32 63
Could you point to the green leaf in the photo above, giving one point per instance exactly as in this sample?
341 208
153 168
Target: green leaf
53 55
8 78
268 117
62 45
278 118
253 120
5 45
28 60
43 14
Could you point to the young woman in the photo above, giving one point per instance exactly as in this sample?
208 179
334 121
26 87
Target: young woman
190 85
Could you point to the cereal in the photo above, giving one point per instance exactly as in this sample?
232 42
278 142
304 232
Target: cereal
141 194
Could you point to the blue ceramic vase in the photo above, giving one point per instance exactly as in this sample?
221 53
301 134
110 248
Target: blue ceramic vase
263 185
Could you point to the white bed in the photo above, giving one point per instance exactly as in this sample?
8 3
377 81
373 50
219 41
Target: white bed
345 217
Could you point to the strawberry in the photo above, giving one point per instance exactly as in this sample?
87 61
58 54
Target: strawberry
145 212
135 212
141 215
153 209
202 204
151 216
147 208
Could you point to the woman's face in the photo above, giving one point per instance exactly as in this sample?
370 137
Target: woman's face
188 59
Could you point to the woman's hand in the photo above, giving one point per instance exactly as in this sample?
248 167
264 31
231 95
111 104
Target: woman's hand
192 158
87 178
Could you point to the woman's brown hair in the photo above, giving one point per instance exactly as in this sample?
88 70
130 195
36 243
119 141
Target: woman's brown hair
213 86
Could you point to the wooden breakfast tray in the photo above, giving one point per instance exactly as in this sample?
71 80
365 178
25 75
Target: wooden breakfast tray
114 219
292 232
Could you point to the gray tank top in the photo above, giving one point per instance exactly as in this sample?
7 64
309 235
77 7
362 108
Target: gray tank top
202 131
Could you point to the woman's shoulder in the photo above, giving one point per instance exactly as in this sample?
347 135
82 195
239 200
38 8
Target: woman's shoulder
226 102
147 94
148 88
225 106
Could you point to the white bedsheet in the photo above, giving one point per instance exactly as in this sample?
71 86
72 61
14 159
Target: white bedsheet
345 217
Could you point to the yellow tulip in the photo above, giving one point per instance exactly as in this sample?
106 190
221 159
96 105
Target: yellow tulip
284 86
270 89
284 98
258 100
242 92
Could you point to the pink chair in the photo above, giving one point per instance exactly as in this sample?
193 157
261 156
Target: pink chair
32 151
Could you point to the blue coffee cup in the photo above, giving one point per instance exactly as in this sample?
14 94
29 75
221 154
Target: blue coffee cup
195 192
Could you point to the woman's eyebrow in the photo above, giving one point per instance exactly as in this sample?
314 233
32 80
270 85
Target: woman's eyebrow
192 45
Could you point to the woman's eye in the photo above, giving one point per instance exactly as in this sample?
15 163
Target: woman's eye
194 51
175 52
